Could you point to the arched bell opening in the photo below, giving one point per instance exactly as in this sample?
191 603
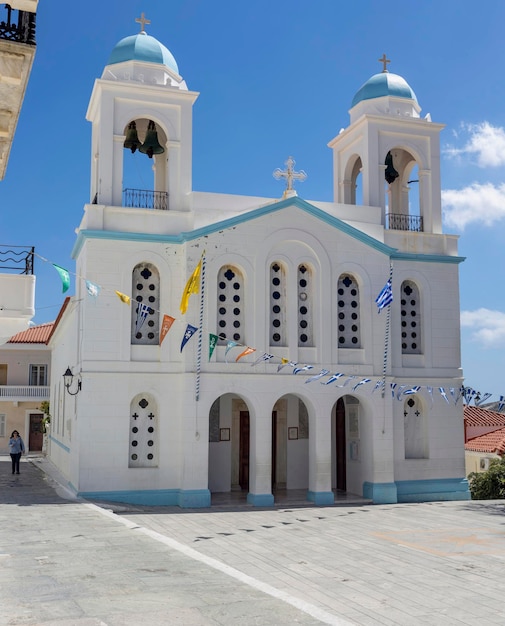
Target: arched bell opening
401 183
145 183
353 181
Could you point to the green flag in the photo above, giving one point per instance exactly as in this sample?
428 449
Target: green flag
64 275
212 343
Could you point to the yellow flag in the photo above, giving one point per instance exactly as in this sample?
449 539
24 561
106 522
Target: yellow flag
123 297
192 286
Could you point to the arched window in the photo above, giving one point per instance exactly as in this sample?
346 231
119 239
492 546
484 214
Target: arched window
143 449
349 333
415 429
277 305
145 321
357 183
411 318
230 306
305 334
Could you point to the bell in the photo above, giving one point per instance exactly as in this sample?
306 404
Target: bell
151 144
390 174
132 140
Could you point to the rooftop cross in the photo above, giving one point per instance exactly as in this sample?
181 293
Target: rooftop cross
290 175
142 21
384 60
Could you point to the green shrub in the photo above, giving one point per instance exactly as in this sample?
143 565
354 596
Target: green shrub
489 485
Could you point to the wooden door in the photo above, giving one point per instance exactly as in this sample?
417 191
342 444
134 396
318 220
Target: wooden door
36 433
243 471
340 445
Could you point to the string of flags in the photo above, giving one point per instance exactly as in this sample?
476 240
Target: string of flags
324 376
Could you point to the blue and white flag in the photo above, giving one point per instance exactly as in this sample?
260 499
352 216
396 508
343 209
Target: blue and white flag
264 357
443 394
379 383
385 297
412 390
142 313
501 404
349 378
188 333
393 387
482 399
333 378
92 289
286 362
305 368
317 376
361 382
400 391
430 393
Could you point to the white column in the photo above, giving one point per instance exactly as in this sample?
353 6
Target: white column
260 460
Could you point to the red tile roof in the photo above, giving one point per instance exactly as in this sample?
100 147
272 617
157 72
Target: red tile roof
475 416
35 334
490 442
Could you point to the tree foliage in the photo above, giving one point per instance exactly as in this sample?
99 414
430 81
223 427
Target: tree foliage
489 485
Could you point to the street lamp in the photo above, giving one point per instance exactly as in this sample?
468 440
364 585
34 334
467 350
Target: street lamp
68 378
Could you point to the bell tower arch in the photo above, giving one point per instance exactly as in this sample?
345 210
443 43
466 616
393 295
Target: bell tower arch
395 153
141 104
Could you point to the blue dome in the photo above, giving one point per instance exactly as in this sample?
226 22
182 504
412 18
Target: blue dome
384 84
142 47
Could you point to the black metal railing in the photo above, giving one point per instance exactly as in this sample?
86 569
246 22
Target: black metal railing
18 26
17 259
398 221
145 199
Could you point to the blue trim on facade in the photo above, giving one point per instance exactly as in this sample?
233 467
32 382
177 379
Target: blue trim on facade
194 498
321 498
380 493
433 490
427 258
260 499
161 497
59 444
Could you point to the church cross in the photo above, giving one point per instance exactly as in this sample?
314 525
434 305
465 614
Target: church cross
290 175
384 60
150 416
142 21
135 416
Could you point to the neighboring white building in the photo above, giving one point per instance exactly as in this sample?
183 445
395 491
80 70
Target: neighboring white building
296 279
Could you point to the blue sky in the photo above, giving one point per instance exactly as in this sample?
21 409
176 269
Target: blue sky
276 78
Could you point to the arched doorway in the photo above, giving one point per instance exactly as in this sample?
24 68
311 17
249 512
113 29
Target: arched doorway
348 439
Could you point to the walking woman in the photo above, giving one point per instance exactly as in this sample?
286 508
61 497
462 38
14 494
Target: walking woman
16 448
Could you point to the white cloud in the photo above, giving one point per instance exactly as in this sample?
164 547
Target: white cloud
488 327
480 203
486 143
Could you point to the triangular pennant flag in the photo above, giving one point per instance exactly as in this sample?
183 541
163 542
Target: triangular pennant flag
482 399
285 362
64 275
188 333
212 344
192 286
229 346
332 378
430 393
317 376
393 387
501 404
123 297
379 383
264 357
349 378
142 313
400 391
361 382
305 368
245 353
443 394
411 391
168 320
92 289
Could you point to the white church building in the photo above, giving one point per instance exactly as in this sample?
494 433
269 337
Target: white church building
289 379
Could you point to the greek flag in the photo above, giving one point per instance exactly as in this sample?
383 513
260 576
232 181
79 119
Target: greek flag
385 297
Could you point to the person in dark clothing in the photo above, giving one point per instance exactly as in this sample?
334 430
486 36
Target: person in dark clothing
16 449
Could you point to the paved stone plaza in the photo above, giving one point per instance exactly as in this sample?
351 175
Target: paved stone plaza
66 561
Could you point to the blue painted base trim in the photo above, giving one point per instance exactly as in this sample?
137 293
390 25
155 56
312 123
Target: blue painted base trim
380 493
321 497
433 490
260 499
196 499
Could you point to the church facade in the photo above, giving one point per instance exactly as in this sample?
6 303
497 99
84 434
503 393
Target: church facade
276 371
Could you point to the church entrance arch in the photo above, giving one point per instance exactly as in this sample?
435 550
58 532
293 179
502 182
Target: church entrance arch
229 445
348 438
290 444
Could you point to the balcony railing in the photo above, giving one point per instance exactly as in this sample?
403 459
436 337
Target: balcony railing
398 221
20 30
23 392
145 199
17 259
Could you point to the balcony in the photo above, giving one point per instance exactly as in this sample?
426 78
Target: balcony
23 393
399 221
145 199
18 26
